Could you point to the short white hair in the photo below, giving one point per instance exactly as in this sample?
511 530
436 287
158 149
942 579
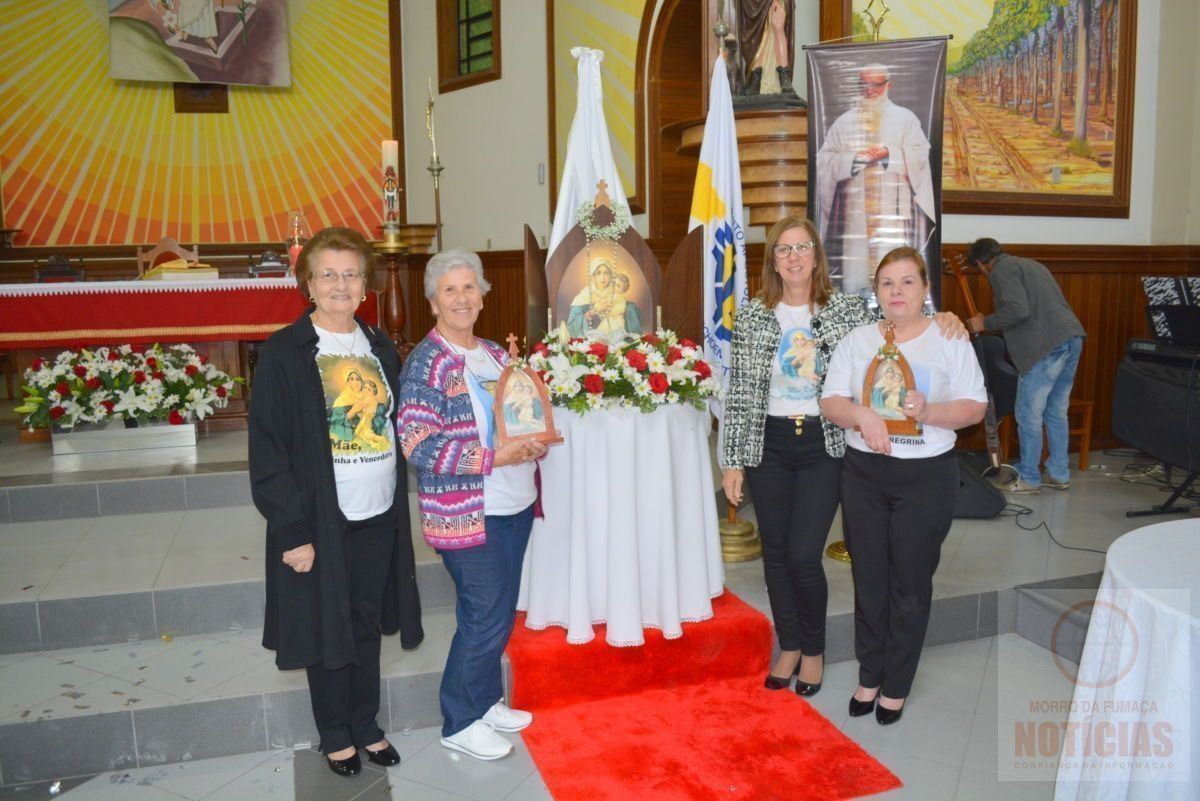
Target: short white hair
446 261
879 68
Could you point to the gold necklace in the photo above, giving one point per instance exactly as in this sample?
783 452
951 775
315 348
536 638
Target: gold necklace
792 317
347 348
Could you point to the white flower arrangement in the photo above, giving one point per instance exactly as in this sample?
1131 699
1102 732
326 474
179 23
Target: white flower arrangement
588 373
173 384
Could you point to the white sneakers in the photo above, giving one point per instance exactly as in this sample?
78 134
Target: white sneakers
480 739
507 720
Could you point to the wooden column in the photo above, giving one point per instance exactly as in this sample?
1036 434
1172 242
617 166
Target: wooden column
392 313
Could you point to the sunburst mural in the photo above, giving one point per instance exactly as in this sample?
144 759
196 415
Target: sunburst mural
611 26
87 160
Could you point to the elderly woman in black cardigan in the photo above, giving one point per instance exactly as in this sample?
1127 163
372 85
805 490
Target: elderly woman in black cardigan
339 562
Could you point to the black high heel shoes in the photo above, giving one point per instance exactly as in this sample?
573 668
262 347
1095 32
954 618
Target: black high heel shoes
774 682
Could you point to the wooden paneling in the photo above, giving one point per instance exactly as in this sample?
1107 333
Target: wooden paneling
675 94
1102 284
503 307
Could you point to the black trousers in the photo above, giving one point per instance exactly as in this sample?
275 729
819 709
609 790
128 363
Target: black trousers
897 513
345 701
795 494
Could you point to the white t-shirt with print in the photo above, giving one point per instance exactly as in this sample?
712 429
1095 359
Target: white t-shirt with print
362 434
796 366
508 489
944 370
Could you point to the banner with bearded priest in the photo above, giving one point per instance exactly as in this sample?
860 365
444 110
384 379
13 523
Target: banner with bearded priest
875 154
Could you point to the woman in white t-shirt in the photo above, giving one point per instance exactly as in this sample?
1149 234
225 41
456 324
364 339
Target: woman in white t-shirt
477 499
326 475
898 491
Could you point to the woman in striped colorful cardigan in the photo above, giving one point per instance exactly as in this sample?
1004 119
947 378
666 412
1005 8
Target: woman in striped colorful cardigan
476 501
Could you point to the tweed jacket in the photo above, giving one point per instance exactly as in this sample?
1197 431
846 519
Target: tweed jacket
756 336
440 438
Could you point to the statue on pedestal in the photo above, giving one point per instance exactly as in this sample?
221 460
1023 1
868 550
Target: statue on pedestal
766 29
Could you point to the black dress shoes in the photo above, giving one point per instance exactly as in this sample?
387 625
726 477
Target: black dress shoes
885 716
774 682
350 766
806 689
384 756
859 708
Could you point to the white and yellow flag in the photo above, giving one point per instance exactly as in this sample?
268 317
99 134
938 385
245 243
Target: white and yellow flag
717 205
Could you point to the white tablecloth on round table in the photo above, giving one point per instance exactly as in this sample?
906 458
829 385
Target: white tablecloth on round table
1140 673
630 535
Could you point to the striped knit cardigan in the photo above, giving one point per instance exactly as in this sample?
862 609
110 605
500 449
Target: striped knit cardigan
439 437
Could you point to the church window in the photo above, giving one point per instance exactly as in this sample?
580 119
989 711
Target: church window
468 43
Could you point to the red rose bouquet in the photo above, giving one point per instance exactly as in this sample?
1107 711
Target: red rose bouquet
645 372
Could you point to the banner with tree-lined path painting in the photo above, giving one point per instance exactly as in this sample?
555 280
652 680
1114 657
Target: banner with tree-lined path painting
1039 98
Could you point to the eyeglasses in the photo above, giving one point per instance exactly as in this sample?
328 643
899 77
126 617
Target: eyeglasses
879 84
332 276
800 248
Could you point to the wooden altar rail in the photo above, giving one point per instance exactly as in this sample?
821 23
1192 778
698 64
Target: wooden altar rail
119 262
1101 282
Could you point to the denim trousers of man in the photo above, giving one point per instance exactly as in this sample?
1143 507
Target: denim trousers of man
1043 395
488 579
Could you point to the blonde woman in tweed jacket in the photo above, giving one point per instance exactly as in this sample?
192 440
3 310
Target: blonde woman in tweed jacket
775 442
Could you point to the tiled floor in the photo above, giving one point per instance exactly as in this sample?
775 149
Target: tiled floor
112 678
84 557
54 559
950 745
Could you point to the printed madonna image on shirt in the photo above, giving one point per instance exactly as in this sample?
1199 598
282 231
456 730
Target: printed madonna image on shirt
357 400
799 363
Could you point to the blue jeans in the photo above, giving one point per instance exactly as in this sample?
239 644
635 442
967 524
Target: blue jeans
488 579
1043 395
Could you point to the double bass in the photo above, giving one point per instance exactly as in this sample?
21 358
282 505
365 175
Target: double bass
999 375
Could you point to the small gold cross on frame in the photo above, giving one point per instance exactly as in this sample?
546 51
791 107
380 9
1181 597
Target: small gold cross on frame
511 339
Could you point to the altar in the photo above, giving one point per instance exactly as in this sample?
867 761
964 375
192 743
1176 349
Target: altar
45 316
630 536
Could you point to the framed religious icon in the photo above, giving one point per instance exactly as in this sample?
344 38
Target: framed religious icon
522 407
888 381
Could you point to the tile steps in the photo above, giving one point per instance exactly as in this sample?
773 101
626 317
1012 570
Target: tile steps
39 625
164 730
1055 613
63 500
84 744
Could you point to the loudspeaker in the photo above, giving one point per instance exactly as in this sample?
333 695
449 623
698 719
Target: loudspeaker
1156 409
977 498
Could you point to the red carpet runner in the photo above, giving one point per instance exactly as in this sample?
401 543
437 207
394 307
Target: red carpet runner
680 719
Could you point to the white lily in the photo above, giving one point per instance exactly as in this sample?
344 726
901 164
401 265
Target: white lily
200 402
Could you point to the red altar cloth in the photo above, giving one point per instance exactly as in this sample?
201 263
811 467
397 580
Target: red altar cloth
34 316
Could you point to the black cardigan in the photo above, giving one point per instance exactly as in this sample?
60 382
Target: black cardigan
307 620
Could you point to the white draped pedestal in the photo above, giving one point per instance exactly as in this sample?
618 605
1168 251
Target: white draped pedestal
1135 712
630 534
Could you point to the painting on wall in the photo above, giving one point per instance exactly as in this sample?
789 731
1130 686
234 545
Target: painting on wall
1039 99
91 161
200 41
